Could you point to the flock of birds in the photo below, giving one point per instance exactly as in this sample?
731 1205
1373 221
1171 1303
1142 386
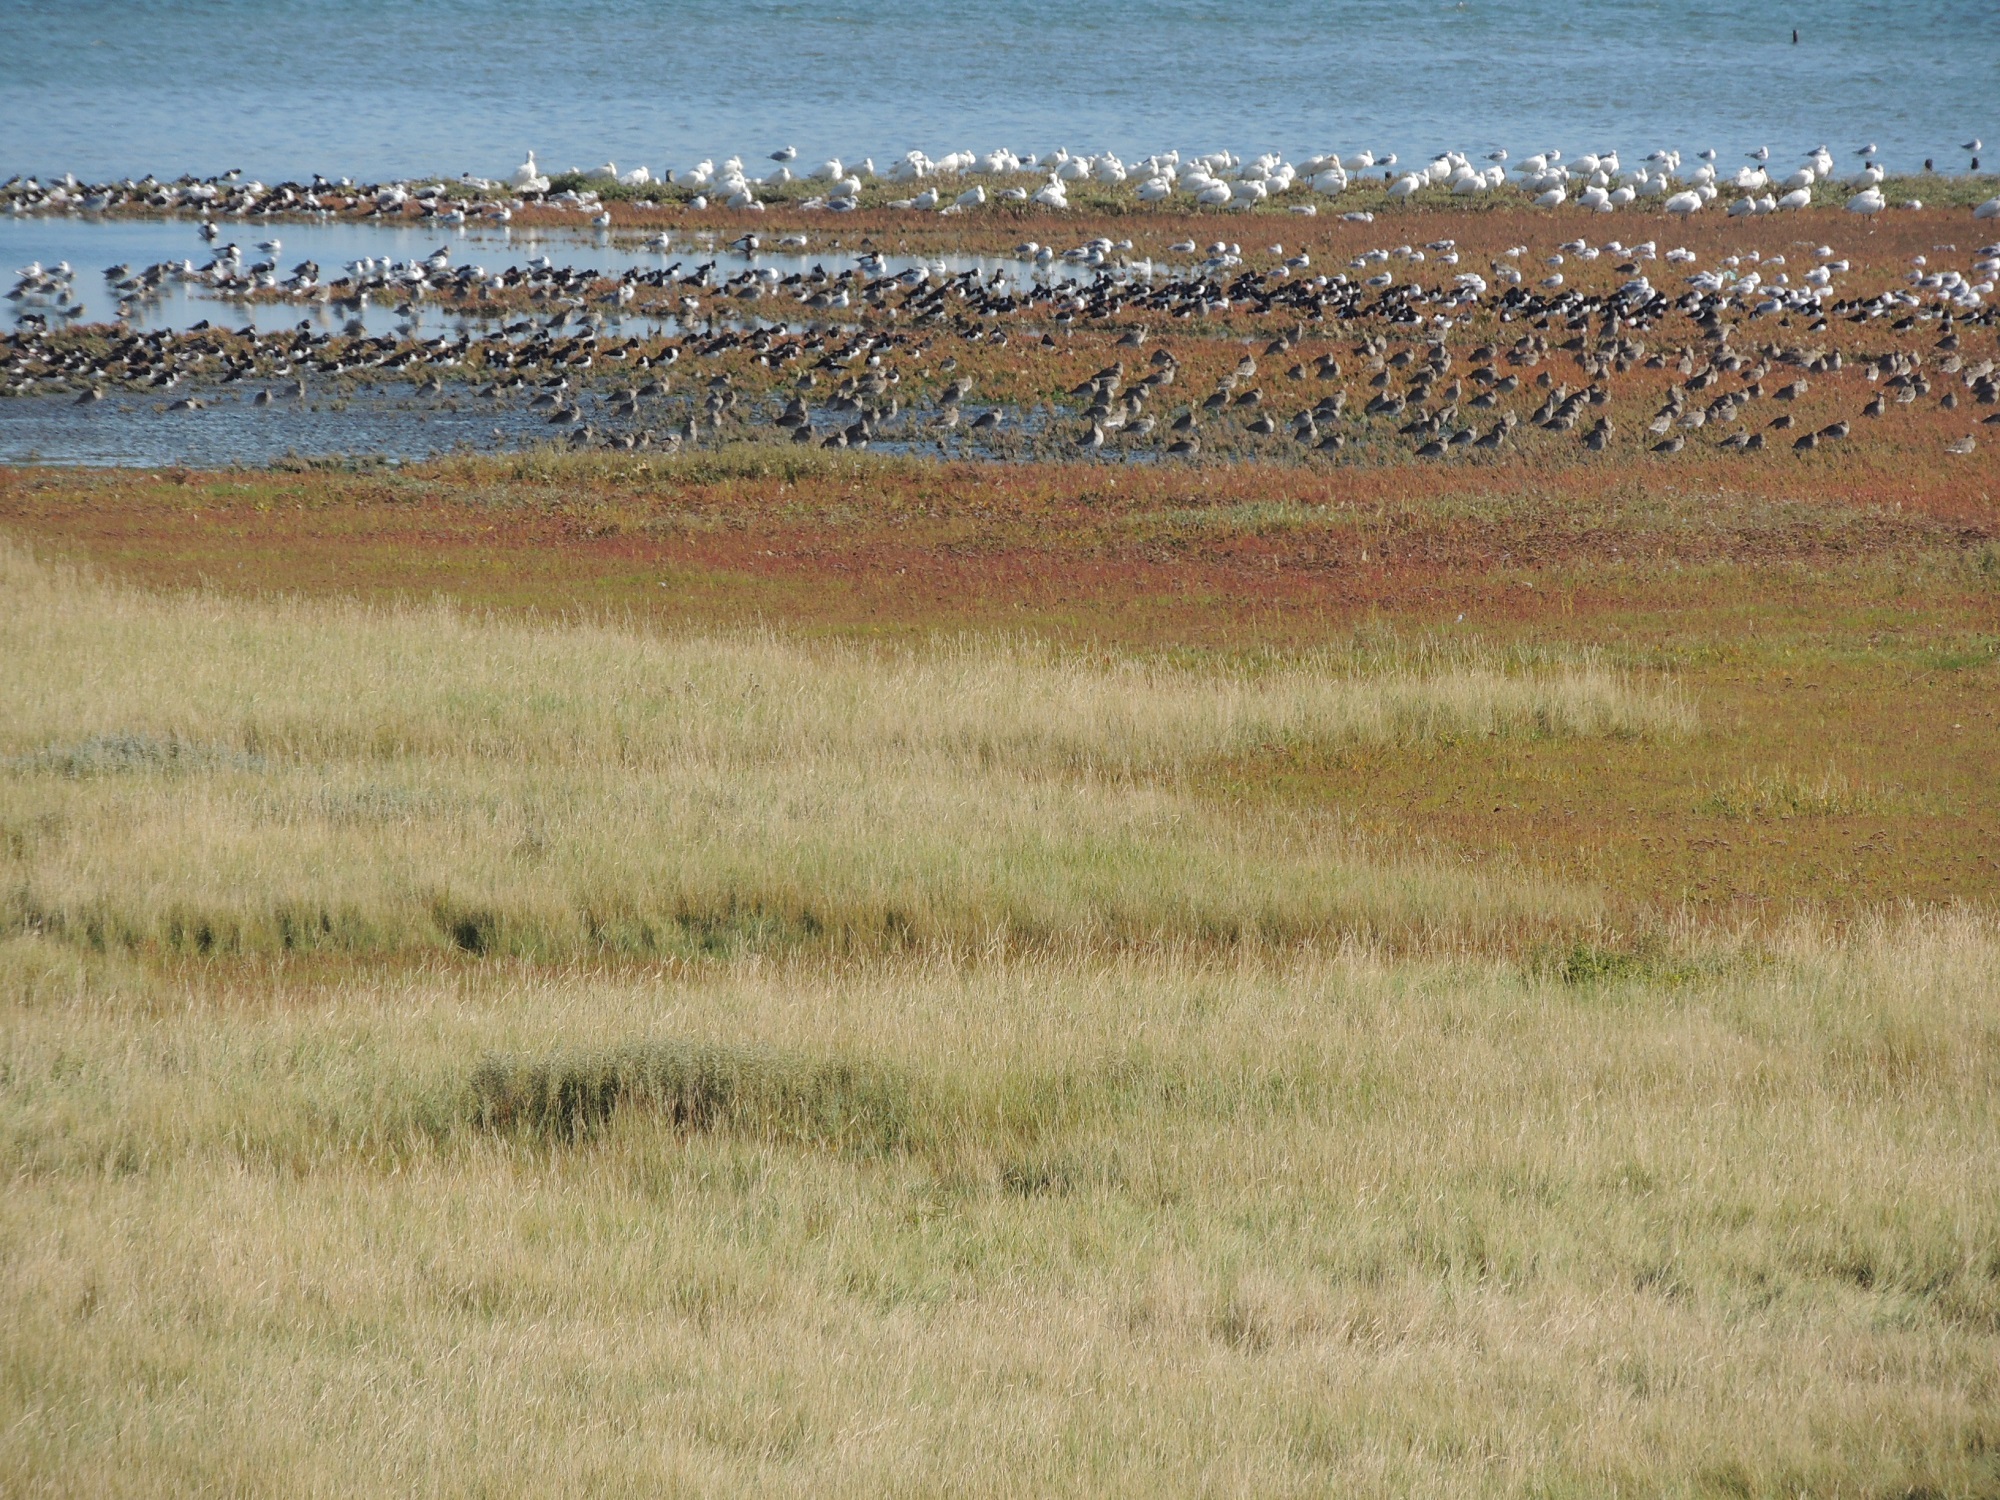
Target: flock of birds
1599 181
863 354
858 356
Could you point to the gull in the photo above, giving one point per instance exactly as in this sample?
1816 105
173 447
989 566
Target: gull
1868 150
789 153
1974 144
1762 153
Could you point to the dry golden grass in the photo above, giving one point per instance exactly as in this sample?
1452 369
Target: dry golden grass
993 1113
208 775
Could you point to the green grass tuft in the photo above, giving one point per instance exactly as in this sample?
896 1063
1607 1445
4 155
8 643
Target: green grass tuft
859 1107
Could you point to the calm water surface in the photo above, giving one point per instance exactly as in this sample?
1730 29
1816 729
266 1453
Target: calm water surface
114 87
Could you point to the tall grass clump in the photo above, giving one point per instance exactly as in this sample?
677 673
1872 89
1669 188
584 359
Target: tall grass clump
851 1106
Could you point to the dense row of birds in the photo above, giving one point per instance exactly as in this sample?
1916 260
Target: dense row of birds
866 357
1186 280
1597 181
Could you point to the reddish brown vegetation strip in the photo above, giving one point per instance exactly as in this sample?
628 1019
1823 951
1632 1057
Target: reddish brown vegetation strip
1242 555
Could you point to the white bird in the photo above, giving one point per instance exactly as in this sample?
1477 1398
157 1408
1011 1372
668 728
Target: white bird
1974 144
528 178
1762 153
789 153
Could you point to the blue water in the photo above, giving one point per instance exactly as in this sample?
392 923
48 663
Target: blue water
107 88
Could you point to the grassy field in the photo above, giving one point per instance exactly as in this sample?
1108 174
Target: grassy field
854 978
1244 1225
